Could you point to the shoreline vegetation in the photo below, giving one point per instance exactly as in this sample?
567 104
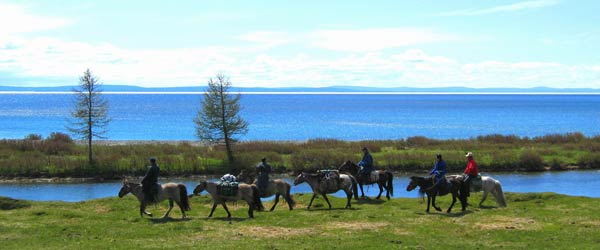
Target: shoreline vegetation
59 157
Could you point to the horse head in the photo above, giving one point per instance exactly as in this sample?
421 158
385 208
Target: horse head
125 189
301 178
201 187
415 181
245 177
350 167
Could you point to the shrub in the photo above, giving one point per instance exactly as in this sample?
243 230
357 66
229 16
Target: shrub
531 161
58 143
589 160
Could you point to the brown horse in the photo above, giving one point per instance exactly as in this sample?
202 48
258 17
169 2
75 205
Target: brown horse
428 187
277 187
383 179
175 192
246 192
320 185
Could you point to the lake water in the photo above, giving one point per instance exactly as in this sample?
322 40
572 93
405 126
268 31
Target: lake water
577 183
309 116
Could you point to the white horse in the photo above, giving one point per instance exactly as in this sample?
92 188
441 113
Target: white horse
488 185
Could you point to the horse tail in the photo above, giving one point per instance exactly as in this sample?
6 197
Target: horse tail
256 198
354 186
390 182
499 195
183 197
288 195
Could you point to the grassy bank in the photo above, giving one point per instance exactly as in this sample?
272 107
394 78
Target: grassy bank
532 221
59 156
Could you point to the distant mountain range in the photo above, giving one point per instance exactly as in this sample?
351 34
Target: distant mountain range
349 89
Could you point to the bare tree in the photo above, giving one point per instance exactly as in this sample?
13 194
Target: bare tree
90 112
219 120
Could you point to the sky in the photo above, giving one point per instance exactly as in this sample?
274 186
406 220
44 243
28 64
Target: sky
423 44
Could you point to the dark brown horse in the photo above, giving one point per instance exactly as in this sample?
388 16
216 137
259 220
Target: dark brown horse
277 187
383 179
428 187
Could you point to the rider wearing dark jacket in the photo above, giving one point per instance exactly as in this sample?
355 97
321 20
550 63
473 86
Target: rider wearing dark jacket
366 163
439 170
263 169
150 182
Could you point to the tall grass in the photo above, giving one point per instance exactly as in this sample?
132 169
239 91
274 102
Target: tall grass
60 156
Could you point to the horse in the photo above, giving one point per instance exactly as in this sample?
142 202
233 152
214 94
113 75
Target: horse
175 192
489 185
428 187
384 179
246 192
277 187
323 187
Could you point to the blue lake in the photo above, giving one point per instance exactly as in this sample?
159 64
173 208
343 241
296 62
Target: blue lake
309 116
576 183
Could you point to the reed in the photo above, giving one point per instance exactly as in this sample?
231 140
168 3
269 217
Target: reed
60 156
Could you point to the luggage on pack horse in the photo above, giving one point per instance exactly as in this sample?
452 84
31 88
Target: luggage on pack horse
227 188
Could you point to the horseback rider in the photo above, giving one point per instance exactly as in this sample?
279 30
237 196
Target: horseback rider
470 172
150 182
263 169
367 164
439 172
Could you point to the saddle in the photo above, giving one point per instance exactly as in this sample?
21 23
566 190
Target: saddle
476 184
226 188
374 176
330 177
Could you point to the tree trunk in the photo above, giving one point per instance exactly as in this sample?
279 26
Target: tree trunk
90 134
230 158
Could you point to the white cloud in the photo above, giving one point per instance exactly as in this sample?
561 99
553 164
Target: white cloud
520 6
44 58
375 39
14 19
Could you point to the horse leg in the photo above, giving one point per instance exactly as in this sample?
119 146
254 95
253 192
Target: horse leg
181 208
170 208
251 209
433 203
360 184
380 190
143 210
349 195
327 200
485 194
276 201
311 200
428 202
226 210
454 194
213 208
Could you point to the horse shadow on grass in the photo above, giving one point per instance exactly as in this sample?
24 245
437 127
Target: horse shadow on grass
370 201
450 215
487 207
235 219
167 220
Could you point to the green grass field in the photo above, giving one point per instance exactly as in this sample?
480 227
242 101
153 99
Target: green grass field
531 221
